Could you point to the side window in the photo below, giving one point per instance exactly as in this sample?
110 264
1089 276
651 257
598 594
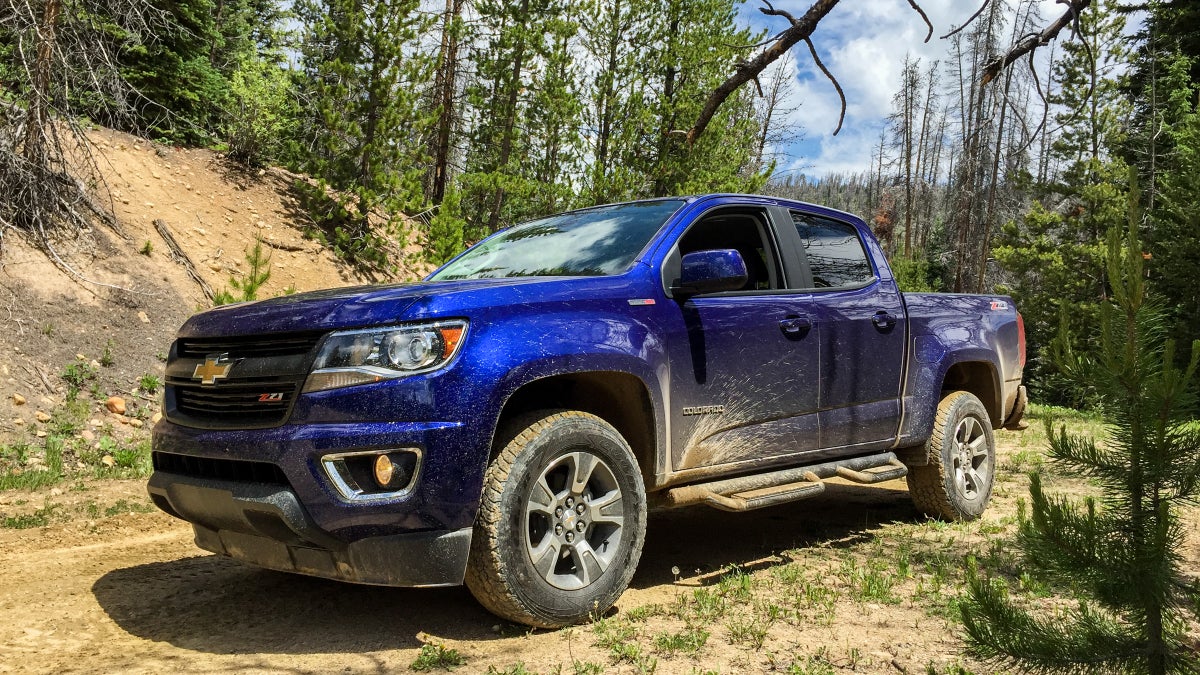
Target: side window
746 232
835 254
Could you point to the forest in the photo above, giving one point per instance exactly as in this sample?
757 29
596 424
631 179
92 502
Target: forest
449 121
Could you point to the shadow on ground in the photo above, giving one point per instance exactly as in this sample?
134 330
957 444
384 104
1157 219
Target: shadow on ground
214 605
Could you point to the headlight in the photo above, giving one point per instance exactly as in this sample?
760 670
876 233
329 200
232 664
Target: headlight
374 354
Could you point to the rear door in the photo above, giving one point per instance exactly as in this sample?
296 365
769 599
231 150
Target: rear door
859 317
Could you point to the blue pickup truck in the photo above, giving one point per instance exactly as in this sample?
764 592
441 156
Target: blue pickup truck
508 421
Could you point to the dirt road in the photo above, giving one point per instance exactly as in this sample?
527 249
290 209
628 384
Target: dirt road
130 593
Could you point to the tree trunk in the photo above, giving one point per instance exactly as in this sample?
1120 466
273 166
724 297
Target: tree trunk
37 117
444 85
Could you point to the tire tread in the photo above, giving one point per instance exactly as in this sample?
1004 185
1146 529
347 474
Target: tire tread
927 484
488 577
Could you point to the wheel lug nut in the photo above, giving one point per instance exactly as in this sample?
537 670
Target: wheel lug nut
570 502
558 512
581 526
570 537
558 529
580 509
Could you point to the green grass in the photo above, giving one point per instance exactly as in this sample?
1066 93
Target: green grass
77 375
750 631
39 518
437 657
124 506
149 383
687 641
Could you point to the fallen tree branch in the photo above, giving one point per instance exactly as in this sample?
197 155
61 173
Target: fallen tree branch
181 257
968 21
800 29
1030 42
841 94
915 6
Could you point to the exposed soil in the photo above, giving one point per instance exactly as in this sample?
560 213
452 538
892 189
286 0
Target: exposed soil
124 292
131 593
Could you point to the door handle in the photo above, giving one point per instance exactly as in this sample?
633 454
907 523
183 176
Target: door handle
794 325
883 320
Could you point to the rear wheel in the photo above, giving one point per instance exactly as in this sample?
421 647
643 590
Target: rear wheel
957 482
562 521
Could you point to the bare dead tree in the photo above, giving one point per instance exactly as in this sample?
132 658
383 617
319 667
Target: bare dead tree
776 102
63 53
802 29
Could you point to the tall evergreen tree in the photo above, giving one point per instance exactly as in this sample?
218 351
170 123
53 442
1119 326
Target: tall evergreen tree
1174 231
363 64
179 92
1054 258
616 112
523 82
694 47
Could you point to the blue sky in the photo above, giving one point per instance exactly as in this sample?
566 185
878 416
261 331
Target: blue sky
864 44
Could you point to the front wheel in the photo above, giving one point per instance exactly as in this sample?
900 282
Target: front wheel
957 482
562 521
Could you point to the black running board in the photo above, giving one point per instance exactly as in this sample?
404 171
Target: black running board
756 491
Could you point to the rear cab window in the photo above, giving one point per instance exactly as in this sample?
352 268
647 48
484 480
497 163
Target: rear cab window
836 255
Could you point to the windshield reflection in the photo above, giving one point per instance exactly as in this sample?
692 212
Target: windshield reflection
593 242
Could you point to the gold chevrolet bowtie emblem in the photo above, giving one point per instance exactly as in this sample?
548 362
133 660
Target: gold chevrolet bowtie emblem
212 369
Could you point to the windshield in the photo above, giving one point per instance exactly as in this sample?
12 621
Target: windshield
594 242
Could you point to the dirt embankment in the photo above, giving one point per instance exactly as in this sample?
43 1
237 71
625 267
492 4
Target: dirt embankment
118 296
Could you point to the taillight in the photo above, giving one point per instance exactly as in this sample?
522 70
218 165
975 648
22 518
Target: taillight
1021 338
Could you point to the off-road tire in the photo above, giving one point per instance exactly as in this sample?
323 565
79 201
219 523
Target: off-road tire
501 572
937 489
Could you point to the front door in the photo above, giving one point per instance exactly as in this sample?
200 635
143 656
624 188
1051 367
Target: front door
744 364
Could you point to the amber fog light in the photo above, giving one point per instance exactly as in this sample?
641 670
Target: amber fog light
384 471
373 474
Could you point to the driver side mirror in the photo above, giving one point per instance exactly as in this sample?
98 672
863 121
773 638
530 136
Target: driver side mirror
711 271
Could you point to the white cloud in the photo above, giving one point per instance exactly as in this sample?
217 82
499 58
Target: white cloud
864 44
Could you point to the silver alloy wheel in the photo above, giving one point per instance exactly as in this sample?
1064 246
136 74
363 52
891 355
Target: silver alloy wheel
573 520
970 458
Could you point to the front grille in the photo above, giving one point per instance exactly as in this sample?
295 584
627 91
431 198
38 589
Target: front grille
256 388
236 470
283 344
238 405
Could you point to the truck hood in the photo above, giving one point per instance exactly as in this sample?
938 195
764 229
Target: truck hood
337 308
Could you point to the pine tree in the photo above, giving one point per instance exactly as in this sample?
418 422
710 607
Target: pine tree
553 127
180 93
446 229
1174 236
1054 260
616 114
526 112
1121 552
1091 107
369 129
692 50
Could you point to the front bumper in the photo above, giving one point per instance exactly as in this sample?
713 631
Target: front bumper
267 526
444 496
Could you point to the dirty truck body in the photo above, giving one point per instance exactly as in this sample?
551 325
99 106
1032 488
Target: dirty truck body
509 420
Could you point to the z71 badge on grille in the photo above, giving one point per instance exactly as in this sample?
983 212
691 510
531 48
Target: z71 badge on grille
212 369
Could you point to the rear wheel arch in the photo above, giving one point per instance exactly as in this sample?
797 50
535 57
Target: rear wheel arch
981 379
